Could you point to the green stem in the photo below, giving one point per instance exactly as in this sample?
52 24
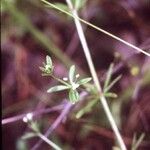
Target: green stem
43 137
60 80
49 142
97 28
94 75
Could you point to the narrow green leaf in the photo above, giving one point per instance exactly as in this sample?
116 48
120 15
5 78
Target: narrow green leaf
138 142
28 135
112 83
72 73
34 126
134 141
84 81
108 75
48 61
79 4
86 109
110 95
57 88
73 96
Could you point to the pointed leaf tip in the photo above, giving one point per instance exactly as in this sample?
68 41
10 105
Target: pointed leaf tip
73 96
72 73
84 81
108 75
48 60
57 88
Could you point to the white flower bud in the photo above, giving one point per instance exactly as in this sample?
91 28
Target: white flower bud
77 76
25 119
65 79
29 116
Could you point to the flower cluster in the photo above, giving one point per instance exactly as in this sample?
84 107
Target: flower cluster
28 118
47 67
71 83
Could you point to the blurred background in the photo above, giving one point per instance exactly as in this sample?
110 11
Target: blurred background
30 31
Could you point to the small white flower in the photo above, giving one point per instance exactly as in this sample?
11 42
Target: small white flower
25 119
77 76
65 79
29 116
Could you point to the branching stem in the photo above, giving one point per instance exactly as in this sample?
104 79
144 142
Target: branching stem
49 142
97 28
94 75
59 80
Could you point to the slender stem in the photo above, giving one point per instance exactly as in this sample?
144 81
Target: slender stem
136 143
97 28
94 75
59 80
55 124
35 113
49 142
